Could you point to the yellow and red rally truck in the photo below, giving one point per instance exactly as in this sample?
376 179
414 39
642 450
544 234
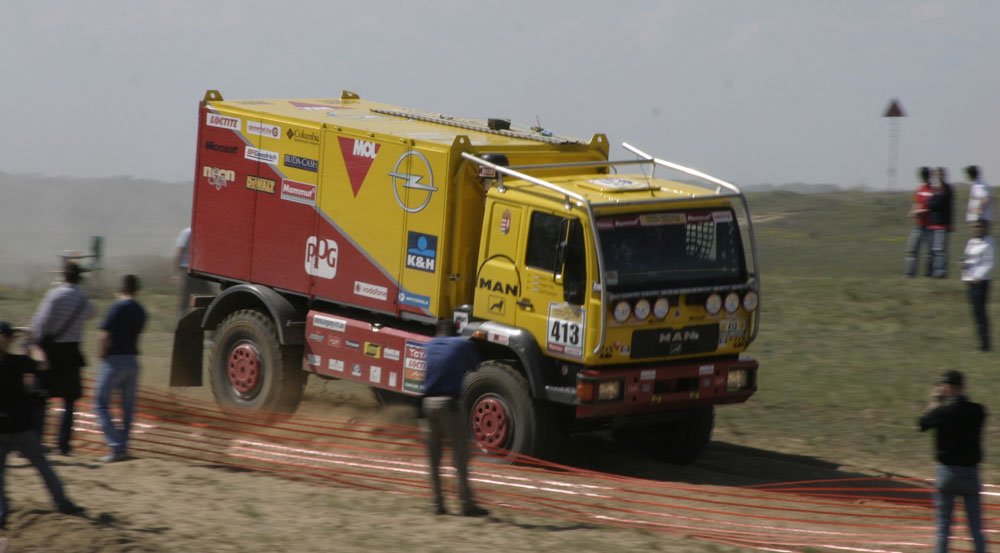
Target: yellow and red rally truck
341 230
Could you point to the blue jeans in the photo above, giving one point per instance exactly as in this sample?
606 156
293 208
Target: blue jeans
117 373
27 443
918 237
939 253
952 482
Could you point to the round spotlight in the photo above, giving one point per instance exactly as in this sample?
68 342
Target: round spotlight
642 309
622 311
713 304
750 300
661 308
732 302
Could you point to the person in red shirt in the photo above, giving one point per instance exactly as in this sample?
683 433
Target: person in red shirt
920 234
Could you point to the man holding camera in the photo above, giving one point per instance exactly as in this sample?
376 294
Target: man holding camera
958 425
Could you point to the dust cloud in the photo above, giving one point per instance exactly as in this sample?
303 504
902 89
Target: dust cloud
41 217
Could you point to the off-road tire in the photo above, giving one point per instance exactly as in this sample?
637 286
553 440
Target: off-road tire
271 385
531 427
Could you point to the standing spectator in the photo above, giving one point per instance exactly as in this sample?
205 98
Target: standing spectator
980 198
118 349
449 357
16 433
939 220
977 263
958 424
57 329
919 235
189 284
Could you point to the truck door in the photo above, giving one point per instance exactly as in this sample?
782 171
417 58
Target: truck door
550 304
498 283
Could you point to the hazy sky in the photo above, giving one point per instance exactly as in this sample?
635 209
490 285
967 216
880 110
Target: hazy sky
762 91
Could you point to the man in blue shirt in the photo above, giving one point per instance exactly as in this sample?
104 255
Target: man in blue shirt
449 357
119 371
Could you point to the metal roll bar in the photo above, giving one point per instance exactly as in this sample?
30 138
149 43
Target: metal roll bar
588 206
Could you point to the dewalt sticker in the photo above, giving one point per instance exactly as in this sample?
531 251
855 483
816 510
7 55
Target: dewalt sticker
261 184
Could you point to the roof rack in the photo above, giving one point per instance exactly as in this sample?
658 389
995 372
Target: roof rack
474 125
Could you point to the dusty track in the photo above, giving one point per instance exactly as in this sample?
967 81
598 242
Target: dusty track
736 496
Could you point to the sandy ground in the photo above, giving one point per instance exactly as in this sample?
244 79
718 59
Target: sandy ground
152 504
344 475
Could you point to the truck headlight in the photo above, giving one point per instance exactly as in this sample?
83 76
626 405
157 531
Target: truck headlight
607 391
750 301
738 379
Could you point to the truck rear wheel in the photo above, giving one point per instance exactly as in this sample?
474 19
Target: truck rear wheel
250 371
504 420
679 442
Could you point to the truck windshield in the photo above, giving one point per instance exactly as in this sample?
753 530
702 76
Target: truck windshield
671 249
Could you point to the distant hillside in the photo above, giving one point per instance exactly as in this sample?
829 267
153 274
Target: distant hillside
139 220
42 216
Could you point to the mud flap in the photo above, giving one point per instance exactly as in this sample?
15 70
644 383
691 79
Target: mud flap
186 360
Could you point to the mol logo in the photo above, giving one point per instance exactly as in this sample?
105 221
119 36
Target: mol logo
358 158
321 257
363 148
218 178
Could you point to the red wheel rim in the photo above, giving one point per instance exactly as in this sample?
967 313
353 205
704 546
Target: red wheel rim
244 369
491 424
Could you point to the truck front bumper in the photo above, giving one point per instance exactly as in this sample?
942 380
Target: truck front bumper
652 389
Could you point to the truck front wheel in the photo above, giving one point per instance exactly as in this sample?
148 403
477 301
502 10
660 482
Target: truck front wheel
250 371
504 420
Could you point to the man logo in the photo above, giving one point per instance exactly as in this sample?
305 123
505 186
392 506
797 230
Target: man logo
321 257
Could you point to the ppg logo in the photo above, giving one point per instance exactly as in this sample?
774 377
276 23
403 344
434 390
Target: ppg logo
321 257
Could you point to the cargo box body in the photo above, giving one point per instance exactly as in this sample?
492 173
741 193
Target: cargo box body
380 207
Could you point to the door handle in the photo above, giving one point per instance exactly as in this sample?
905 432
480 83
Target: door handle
525 303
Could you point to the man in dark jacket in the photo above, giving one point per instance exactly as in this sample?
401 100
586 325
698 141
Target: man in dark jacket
939 222
449 357
16 432
958 424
